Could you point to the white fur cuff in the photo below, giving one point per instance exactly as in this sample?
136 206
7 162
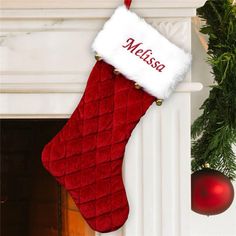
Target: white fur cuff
141 53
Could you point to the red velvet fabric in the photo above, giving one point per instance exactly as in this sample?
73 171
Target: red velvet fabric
86 155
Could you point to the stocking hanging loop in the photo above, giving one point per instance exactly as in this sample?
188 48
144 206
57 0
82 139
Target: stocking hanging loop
127 3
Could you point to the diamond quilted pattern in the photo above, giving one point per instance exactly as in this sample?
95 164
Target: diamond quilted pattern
86 155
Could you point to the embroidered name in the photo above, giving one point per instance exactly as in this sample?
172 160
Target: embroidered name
145 55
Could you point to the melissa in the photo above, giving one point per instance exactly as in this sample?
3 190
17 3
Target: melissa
145 55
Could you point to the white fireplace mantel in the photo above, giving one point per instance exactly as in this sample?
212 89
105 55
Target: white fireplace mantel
99 4
45 59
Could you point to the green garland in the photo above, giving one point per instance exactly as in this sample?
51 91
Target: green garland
214 132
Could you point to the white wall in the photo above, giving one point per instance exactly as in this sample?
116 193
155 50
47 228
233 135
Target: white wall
223 224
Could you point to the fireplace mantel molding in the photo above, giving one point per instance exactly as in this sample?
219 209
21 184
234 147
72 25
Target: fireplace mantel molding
40 55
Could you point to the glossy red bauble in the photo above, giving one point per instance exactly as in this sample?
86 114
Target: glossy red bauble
212 192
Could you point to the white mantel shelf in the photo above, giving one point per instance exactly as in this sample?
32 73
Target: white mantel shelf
46 58
96 4
94 9
91 13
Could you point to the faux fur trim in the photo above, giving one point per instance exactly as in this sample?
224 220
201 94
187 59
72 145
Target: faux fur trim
141 53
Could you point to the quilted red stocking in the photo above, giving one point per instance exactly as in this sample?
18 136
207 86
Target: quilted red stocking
86 155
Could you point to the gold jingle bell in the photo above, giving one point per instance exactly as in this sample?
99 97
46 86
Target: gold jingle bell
137 86
159 102
206 165
97 57
116 72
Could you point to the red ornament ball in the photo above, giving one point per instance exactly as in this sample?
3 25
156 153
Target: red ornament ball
212 192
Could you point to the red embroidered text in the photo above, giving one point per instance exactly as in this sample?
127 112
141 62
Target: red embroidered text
145 55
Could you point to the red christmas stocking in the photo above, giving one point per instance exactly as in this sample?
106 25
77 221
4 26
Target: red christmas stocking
86 155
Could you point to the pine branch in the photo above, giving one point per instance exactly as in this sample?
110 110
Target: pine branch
214 132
